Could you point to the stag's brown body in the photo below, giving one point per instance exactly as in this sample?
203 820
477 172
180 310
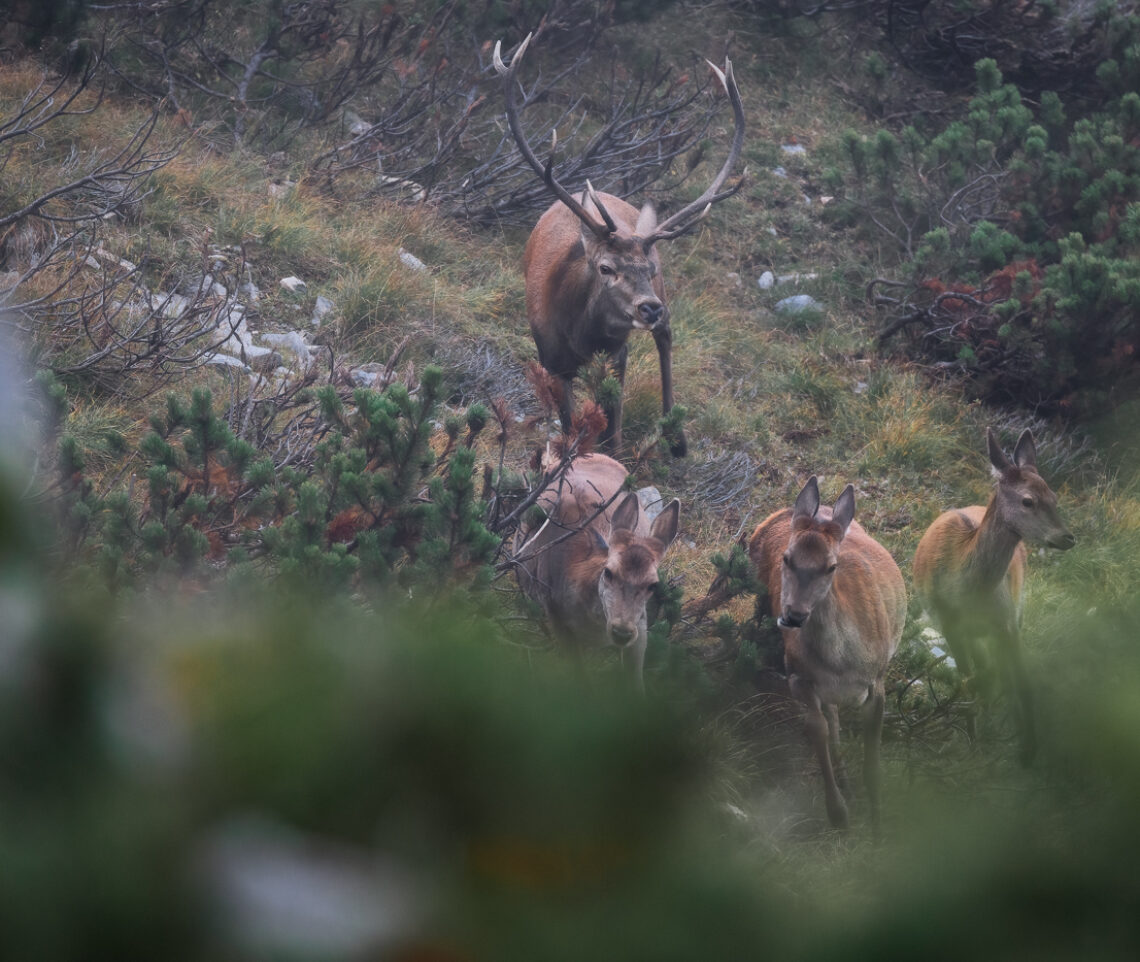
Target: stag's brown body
841 605
592 271
969 571
585 295
594 560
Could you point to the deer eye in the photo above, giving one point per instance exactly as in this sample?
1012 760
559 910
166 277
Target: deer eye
607 574
606 270
1027 502
831 569
788 561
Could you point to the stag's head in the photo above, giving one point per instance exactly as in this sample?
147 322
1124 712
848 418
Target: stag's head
624 266
812 556
630 571
1025 502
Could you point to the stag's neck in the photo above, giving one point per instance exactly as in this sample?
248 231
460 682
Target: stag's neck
991 550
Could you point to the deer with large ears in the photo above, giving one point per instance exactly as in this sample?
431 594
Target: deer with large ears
969 570
840 604
593 275
593 561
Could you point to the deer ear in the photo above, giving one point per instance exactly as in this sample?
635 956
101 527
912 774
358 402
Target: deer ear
807 504
1000 462
625 517
665 525
646 221
1025 454
599 541
844 511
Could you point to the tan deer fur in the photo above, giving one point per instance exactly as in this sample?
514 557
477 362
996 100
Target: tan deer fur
840 604
594 560
969 571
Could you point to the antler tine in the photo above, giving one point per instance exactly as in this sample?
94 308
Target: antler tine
686 218
545 171
597 202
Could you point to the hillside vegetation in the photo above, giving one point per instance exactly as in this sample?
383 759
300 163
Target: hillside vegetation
271 417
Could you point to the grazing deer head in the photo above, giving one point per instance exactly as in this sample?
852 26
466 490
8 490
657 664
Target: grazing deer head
593 275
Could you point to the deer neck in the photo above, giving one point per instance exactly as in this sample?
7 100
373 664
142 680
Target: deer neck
994 543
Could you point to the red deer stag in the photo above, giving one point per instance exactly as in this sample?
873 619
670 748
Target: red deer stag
593 561
840 605
969 570
592 270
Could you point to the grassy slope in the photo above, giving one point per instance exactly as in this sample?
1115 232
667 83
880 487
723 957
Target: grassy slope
771 400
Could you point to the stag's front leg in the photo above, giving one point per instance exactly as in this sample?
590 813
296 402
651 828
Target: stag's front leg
663 338
566 402
611 437
816 729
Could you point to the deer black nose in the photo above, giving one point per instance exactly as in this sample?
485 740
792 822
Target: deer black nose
1063 542
621 636
650 312
792 619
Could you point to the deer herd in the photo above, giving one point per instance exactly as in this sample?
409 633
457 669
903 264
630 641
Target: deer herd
592 277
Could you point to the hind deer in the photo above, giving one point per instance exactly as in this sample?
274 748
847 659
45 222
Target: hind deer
593 561
593 275
969 570
840 605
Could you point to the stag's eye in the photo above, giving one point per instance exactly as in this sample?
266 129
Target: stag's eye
605 270
831 570
607 574
1027 502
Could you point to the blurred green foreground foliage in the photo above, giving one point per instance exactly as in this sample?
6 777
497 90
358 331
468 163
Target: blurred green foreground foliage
245 774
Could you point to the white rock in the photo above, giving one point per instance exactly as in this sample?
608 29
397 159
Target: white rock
766 280
793 148
225 360
798 304
290 341
651 501
410 260
280 191
293 284
795 278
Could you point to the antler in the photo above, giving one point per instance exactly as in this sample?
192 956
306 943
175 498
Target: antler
684 219
546 171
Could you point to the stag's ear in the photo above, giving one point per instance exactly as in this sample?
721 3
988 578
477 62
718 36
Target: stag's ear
998 460
807 504
666 523
625 517
1025 454
844 511
646 221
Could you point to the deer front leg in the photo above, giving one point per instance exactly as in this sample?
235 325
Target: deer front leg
872 738
611 436
1007 647
816 729
566 401
832 713
663 338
